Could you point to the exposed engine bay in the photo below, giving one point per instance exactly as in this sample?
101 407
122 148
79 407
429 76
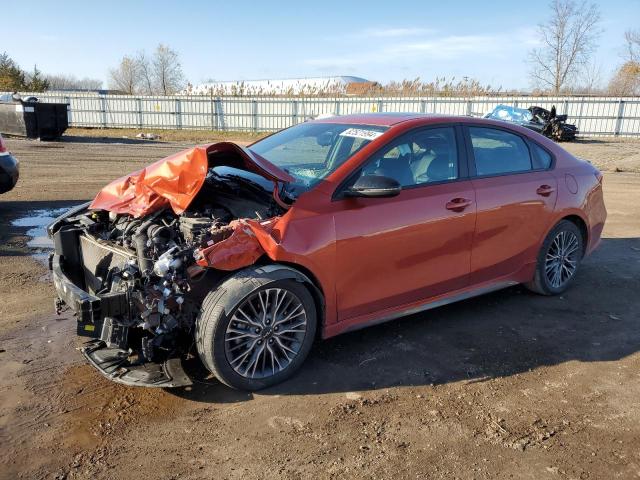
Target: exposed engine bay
150 272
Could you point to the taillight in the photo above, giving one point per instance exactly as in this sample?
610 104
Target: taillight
3 146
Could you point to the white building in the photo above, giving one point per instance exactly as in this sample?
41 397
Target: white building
281 86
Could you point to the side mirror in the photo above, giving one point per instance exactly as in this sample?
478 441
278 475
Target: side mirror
374 186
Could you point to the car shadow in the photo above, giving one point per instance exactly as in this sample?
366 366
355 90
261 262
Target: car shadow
106 140
497 335
590 140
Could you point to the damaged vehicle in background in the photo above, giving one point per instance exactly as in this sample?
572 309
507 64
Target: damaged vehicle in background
240 257
538 119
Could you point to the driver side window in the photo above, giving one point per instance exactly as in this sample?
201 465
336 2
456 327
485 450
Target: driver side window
420 157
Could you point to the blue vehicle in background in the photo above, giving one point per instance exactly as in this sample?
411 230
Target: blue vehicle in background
538 119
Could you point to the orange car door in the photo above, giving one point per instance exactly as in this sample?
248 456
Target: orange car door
515 201
395 251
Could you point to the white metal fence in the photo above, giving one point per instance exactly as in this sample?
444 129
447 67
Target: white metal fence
594 116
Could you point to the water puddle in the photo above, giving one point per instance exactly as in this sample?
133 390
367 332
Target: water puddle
36 222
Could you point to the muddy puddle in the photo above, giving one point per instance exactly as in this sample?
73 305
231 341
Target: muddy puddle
36 222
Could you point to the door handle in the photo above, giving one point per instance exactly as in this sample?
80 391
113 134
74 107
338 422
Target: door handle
545 190
458 204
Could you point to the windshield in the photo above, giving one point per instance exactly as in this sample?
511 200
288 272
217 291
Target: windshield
310 152
511 114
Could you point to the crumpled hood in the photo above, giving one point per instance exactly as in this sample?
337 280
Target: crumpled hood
174 181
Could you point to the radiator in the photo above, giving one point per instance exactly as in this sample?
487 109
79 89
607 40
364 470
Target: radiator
98 258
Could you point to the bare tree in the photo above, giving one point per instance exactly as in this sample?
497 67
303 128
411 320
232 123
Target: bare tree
70 82
590 81
146 73
126 77
632 37
626 79
167 70
568 40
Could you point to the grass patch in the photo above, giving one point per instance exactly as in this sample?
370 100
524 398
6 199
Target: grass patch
169 135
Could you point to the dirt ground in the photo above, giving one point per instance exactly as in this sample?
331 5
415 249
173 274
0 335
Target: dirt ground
163 135
508 385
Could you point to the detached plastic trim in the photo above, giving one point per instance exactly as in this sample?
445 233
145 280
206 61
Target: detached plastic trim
113 363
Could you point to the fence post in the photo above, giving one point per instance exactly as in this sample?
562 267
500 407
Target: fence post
212 107
379 106
254 114
140 118
423 106
579 119
294 115
469 107
103 103
619 117
68 102
178 114
337 109
219 114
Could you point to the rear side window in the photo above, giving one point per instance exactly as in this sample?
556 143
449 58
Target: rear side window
541 158
496 151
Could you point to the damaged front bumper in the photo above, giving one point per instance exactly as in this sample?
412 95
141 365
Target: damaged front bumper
89 309
113 362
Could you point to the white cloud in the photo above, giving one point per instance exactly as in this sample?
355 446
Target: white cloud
392 32
432 47
529 36
450 46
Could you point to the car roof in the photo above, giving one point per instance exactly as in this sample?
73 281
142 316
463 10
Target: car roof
382 119
391 119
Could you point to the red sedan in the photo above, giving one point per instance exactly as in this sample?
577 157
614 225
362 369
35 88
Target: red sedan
325 227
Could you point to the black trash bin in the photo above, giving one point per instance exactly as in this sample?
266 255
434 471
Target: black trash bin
33 119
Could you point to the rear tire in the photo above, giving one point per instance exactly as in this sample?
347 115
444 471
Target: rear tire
558 260
243 335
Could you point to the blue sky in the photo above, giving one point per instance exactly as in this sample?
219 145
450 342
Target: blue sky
380 41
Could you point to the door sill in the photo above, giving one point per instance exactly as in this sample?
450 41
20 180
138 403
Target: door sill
353 324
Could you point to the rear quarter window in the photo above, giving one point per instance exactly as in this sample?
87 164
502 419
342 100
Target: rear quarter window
497 151
541 158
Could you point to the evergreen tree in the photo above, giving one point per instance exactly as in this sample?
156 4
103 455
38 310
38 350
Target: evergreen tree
36 82
12 78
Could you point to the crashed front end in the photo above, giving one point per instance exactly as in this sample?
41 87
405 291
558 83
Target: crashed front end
135 264
554 126
538 119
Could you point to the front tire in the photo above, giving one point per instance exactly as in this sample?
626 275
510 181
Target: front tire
558 260
255 331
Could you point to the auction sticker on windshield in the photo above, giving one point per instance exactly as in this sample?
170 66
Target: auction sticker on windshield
361 133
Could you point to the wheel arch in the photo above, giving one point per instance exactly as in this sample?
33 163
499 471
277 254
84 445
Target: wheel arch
579 222
574 216
216 314
293 271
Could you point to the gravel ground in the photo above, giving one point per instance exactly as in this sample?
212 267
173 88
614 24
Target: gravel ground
509 385
610 155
